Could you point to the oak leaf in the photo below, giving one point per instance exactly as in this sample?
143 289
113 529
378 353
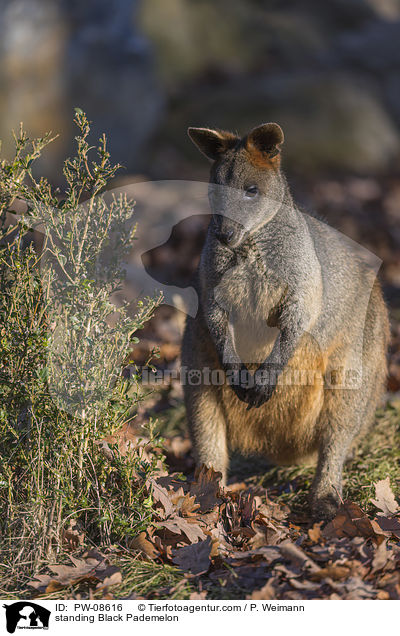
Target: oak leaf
206 487
179 525
161 496
351 521
384 498
391 525
94 568
194 558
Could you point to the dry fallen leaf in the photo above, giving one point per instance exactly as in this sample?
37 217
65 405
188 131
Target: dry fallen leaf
383 595
185 504
274 511
385 500
334 572
114 579
160 495
206 487
269 554
380 557
198 596
266 593
297 556
179 525
140 542
389 525
94 568
194 558
315 532
71 537
125 438
351 521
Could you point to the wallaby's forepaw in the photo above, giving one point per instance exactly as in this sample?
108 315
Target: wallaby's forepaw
254 396
324 507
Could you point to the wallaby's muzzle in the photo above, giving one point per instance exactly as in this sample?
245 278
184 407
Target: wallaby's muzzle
227 231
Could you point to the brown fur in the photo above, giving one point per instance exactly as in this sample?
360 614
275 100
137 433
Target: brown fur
260 159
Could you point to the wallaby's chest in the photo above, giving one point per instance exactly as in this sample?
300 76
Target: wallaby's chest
248 291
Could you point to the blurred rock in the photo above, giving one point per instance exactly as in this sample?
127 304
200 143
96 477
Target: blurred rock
331 122
110 74
388 9
57 54
338 123
328 72
33 36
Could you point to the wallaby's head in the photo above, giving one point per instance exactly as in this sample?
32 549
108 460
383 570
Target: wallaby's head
246 185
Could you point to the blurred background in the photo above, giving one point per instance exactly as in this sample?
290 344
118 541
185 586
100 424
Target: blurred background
144 70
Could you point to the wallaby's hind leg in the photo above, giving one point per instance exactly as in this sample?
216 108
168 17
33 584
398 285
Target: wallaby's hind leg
349 413
207 427
335 444
346 417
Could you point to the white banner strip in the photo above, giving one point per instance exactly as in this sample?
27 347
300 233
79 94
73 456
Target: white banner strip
173 618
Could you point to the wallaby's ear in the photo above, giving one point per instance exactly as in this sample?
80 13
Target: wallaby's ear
263 143
212 143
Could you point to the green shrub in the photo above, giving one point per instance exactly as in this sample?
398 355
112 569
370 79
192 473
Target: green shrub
62 348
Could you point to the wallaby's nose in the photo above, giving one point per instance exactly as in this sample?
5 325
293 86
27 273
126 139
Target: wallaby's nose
225 237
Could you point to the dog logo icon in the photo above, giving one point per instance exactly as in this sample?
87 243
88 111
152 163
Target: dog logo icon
26 615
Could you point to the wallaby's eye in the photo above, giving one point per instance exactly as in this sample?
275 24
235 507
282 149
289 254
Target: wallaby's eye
251 191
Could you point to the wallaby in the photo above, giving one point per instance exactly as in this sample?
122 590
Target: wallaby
287 354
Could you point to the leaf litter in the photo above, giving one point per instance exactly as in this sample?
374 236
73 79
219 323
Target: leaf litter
237 542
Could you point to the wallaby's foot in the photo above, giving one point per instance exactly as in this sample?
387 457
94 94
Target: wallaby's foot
326 490
324 506
207 426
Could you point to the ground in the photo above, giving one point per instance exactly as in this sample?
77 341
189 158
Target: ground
256 540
